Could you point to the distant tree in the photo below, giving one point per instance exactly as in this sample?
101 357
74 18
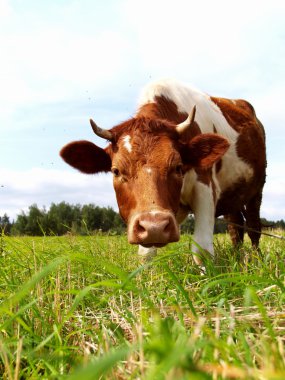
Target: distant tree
91 218
267 223
35 224
108 216
19 226
280 224
5 224
100 218
63 218
187 227
221 226
119 225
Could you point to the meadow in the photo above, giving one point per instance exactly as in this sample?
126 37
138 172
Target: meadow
89 308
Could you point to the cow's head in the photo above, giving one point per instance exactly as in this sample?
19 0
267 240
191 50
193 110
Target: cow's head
148 159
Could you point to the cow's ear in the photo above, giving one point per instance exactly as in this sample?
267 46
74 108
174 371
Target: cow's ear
86 157
204 150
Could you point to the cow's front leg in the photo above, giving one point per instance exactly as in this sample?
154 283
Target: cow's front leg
204 211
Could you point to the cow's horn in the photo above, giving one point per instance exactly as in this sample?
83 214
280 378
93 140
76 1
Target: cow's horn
104 133
182 127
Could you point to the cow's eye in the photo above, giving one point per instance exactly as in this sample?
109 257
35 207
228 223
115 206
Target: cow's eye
179 169
116 172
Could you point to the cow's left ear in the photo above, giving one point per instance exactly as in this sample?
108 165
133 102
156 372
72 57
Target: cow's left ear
86 157
204 150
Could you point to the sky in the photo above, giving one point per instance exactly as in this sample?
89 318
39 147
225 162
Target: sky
64 61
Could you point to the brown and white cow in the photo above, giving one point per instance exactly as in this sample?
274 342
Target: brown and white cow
183 151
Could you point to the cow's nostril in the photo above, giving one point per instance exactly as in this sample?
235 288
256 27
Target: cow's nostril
140 228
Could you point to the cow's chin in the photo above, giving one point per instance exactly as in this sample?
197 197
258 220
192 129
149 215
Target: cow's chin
156 245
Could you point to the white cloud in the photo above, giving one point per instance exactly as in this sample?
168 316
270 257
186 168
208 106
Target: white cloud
5 10
219 46
20 189
270 106
273 206
52 65
197 39
49 55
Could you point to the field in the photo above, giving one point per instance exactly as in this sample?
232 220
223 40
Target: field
89 308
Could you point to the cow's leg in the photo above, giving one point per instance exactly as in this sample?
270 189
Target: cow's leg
236 233
204 211
253 219
147 252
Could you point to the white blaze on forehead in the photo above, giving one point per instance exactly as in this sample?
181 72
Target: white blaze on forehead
127 143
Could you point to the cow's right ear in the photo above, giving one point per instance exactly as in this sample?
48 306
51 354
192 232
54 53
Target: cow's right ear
204 150
86 157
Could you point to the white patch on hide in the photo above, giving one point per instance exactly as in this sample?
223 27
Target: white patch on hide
199 197
147 252
127 143
233 170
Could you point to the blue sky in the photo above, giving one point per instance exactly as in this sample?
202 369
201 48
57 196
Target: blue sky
64 61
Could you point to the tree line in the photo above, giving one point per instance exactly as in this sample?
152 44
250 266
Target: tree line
65 218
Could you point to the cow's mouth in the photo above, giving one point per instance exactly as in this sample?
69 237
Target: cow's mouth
156 245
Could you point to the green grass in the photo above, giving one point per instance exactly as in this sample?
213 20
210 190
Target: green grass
89 308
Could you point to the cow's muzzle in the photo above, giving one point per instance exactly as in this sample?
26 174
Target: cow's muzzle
154 228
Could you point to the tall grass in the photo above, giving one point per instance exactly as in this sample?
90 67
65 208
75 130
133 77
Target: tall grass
89 308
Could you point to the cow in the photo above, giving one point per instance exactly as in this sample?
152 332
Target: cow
182 152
